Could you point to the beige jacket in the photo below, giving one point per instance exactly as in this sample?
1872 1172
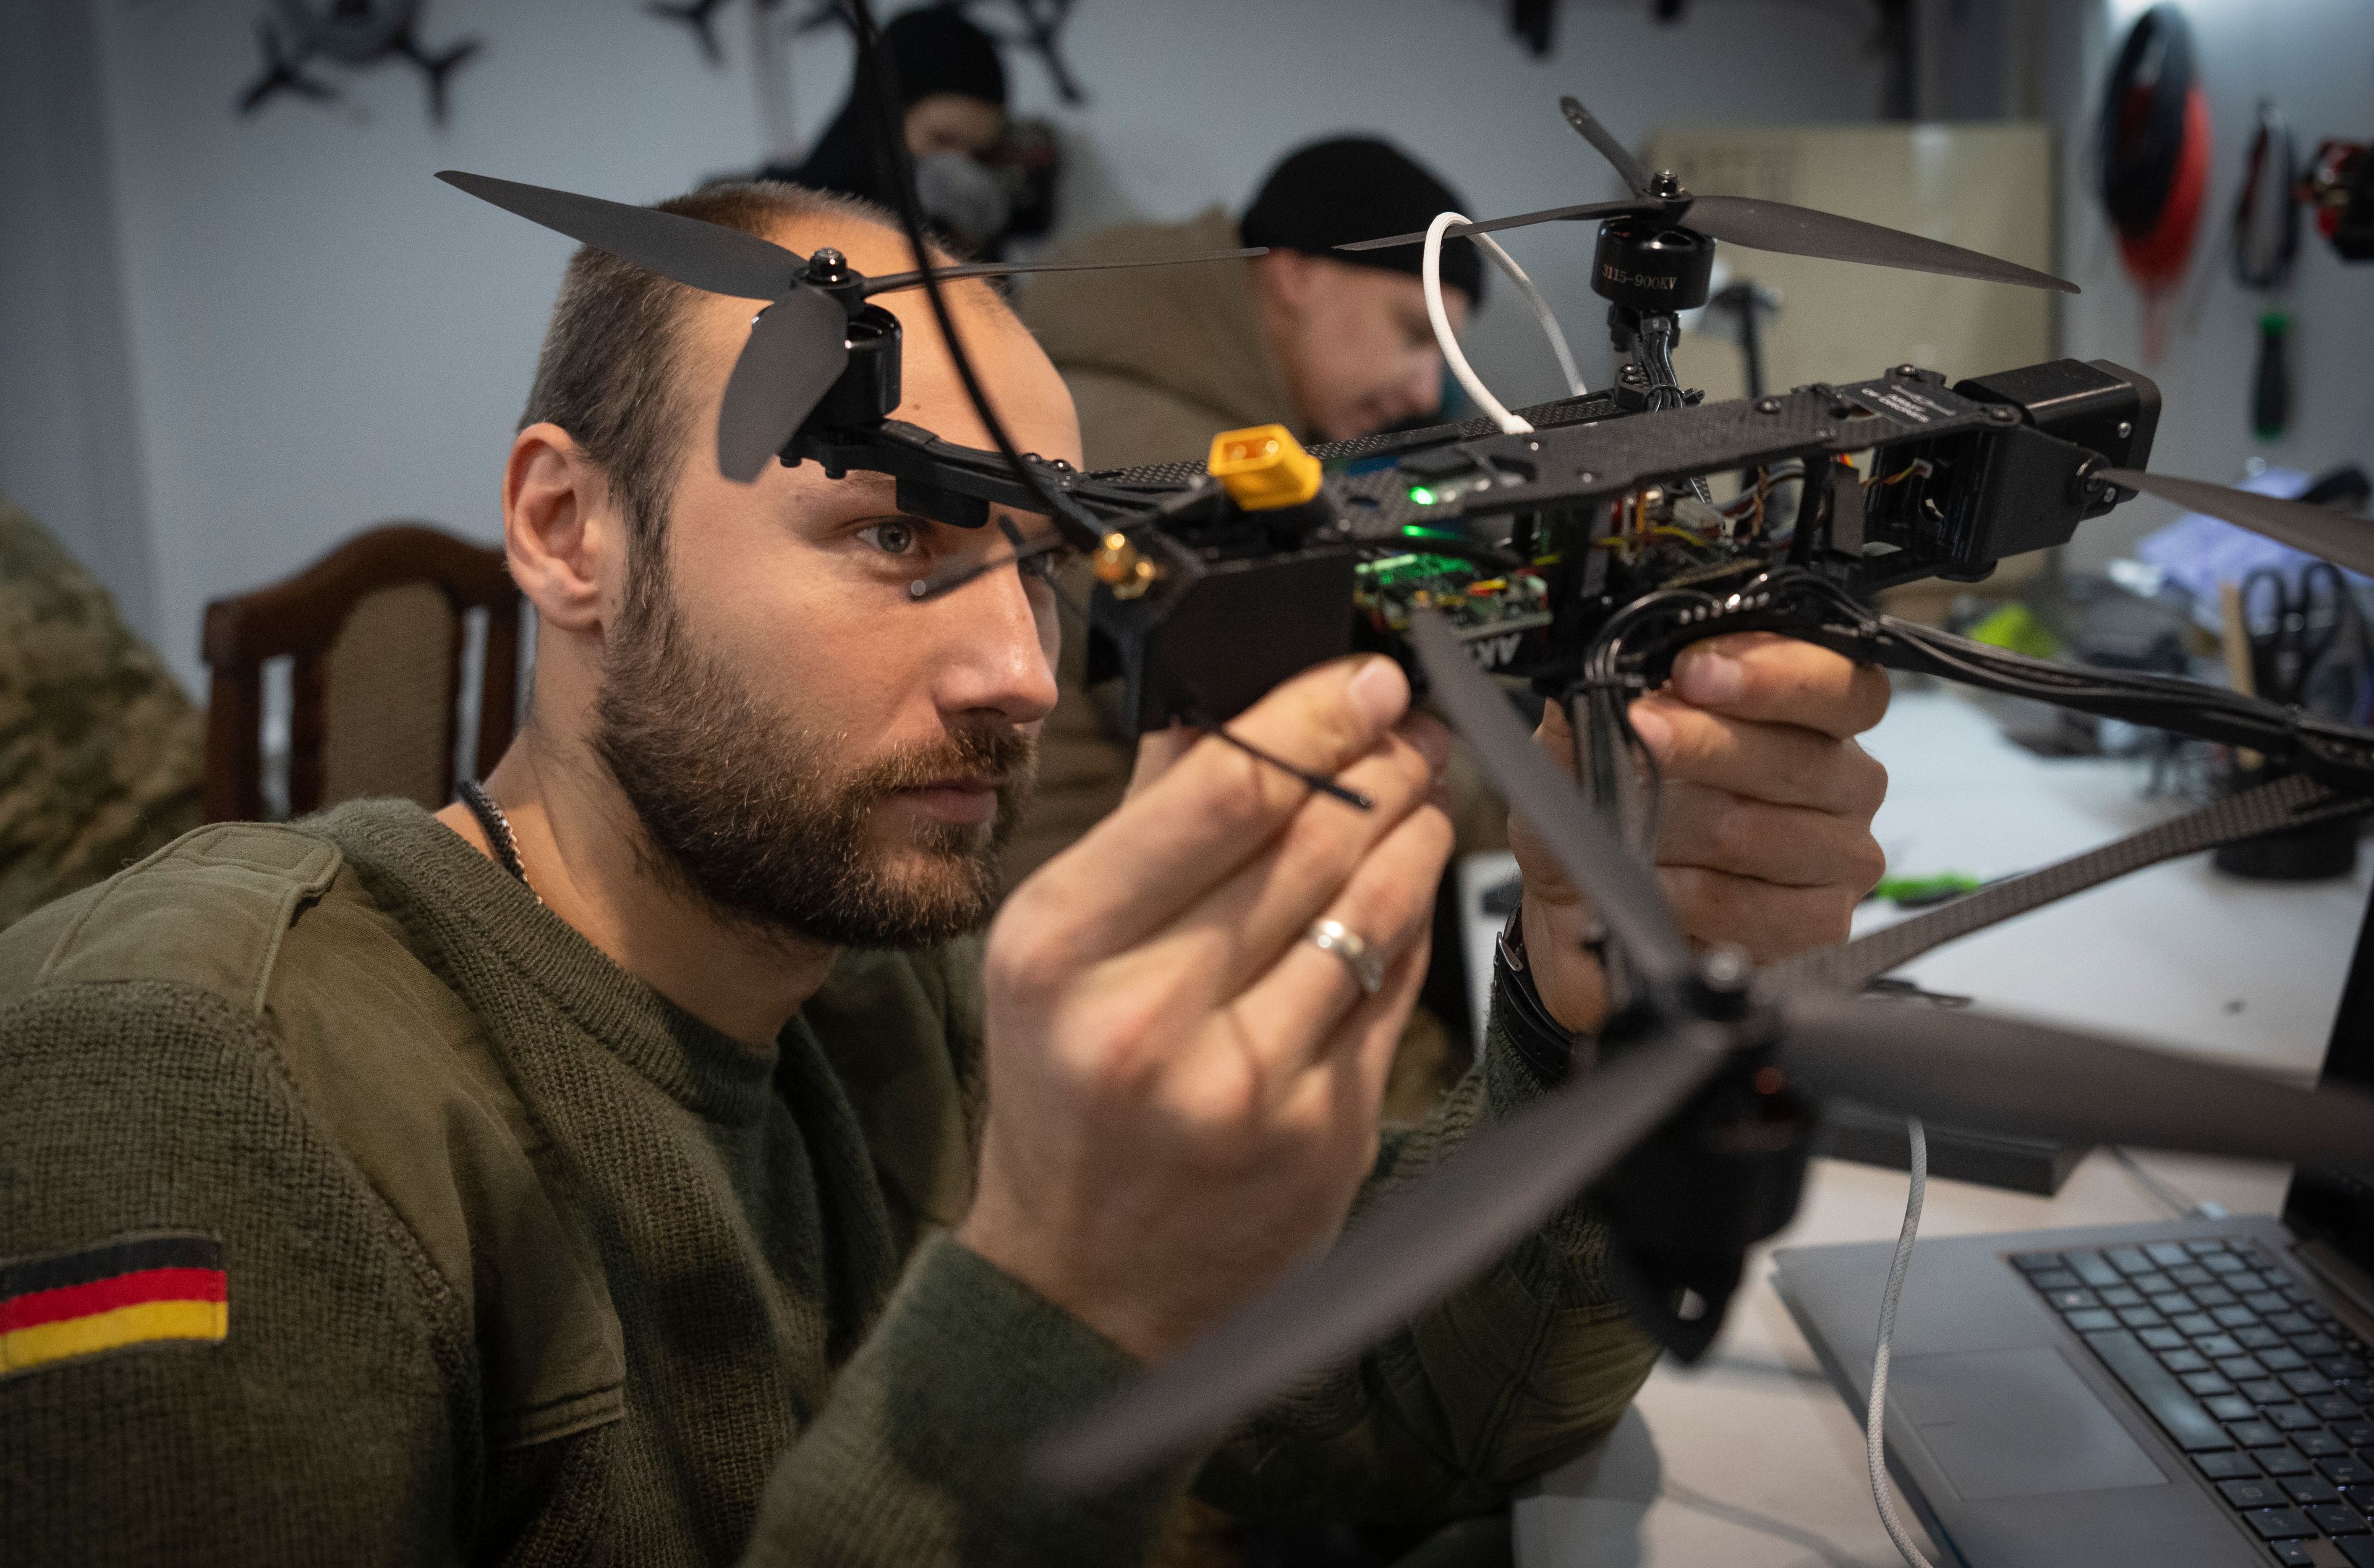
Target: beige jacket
1158 361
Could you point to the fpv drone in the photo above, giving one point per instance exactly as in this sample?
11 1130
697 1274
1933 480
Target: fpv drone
1580 557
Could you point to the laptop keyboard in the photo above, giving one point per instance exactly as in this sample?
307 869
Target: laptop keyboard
2254 1378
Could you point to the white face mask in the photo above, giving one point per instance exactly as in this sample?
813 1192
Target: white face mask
963 200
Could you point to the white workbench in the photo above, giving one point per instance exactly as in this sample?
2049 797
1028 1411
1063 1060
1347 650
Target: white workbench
1751 1458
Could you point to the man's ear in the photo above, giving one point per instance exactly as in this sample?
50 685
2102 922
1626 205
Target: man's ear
562 534
1289 277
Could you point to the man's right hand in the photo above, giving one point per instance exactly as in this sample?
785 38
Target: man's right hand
1183 1090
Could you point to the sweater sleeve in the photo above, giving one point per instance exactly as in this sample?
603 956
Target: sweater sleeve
324 1417
919 1458
1508 1377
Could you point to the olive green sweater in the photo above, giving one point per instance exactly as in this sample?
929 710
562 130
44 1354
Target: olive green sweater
523 1263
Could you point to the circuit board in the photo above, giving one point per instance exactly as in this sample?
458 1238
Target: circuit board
1502 617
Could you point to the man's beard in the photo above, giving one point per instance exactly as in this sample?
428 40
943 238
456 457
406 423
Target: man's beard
752 813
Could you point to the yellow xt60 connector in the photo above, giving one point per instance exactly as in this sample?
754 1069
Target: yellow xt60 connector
1264 467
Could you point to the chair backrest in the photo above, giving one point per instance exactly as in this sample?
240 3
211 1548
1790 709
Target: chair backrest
374 634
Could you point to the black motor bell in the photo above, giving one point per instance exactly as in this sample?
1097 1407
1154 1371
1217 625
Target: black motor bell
868 391
1649 264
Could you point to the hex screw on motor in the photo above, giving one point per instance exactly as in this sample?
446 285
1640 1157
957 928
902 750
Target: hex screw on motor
1768 406
1724 968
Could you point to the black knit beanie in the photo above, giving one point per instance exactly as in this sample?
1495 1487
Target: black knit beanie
1351 187
936 51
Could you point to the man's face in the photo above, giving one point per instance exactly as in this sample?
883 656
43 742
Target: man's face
953 121
808 746
1354 343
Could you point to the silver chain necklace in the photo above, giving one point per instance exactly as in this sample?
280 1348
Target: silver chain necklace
498 829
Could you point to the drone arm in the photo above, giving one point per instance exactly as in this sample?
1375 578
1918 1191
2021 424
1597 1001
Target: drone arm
941 480
1516 1371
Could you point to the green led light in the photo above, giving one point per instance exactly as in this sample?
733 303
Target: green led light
1421 494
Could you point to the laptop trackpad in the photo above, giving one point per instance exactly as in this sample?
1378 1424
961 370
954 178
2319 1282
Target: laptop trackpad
2016 1423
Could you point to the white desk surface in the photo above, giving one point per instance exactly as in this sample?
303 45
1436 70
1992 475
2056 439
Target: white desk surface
1752 1458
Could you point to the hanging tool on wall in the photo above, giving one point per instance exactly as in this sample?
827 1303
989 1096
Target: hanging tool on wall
1749 302
2265 242
2339 183
2153 145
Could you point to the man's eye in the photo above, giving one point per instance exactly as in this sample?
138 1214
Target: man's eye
892 537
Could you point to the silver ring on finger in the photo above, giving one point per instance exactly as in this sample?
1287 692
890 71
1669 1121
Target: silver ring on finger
1335 937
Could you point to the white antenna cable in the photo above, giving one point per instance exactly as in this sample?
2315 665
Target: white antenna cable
1431 275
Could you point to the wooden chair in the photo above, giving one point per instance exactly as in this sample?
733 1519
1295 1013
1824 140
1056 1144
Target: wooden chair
375 632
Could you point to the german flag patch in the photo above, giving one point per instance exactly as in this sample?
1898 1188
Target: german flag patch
132 1290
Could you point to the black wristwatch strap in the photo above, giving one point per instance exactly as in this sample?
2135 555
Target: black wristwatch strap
1544 1044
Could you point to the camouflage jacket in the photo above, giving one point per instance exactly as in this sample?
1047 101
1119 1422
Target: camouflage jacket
100 747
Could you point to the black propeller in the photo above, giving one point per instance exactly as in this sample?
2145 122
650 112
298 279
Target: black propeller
2338 536
798 344
1410 1251
699 256
1636 179
1745 221
1422 1243
795 351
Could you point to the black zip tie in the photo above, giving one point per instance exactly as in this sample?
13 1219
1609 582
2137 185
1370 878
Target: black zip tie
1320 782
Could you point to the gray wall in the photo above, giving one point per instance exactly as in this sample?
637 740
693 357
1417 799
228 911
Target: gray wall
70 432
2315 58
286 330
227 343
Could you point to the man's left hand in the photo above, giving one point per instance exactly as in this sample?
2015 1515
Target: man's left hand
1764 834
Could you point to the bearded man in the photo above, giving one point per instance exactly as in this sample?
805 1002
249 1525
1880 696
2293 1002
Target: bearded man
642 1167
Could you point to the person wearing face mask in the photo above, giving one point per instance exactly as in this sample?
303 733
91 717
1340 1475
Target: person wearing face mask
954 84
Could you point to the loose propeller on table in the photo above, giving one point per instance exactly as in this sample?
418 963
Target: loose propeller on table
798 345
1968 1069
1747 220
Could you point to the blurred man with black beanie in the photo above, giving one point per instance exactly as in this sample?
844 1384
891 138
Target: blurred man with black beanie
1331 343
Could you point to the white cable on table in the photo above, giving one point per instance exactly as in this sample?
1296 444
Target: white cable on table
1431 273
1874 1425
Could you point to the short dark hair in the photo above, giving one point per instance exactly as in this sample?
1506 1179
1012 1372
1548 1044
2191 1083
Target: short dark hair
606 373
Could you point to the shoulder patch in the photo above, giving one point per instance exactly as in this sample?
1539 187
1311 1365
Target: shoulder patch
145 1288
210 909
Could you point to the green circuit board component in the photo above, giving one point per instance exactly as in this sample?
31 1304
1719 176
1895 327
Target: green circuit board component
1470 596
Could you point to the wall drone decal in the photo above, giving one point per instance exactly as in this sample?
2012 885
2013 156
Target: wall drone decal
356 34
1037 26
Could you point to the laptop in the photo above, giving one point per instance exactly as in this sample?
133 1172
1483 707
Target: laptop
2191 1392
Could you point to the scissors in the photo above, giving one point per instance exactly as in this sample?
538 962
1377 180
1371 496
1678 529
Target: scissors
2291 629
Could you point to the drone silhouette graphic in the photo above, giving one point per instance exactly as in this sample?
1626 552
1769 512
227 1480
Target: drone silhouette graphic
356 34
1039 26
